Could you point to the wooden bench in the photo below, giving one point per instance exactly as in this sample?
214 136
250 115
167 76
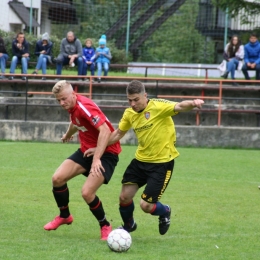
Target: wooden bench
109 81
32 64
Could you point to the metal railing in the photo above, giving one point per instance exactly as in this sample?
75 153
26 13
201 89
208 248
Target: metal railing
147 81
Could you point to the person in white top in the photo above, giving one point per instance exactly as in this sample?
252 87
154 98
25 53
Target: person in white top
233 55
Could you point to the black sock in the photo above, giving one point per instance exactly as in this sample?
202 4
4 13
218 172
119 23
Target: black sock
159 209
97 210
126 212
61 195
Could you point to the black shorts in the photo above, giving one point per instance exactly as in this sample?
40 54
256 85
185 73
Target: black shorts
108 160
156 175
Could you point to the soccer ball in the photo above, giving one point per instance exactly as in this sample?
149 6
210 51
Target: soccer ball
119 240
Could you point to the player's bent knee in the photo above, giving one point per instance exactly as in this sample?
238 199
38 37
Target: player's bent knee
84 193
145 206
58 181
87 196
124 199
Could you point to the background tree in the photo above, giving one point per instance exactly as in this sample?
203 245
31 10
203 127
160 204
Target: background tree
249 7
178 41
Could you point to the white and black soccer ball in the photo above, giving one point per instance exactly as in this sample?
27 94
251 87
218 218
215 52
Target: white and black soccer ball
119 240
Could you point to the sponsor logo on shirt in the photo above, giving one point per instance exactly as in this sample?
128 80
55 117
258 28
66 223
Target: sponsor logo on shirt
95 120
142 128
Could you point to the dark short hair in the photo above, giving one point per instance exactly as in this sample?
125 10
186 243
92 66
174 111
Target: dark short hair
135 87
253 34
20 33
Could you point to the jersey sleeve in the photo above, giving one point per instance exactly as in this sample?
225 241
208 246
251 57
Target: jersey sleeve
166 107
92 114
124 124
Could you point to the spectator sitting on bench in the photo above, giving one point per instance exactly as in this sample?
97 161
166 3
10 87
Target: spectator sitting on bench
43 50
20 49
88 58
3 57
70 53
102 57
233 55
252 57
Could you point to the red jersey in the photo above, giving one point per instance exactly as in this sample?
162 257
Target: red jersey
87 117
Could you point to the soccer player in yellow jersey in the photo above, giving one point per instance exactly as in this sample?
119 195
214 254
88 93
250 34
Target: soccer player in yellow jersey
151 120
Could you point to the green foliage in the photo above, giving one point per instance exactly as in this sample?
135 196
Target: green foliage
245 36
213 194
178 41
235 6
95 16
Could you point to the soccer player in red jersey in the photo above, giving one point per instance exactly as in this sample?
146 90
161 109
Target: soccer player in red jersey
94 131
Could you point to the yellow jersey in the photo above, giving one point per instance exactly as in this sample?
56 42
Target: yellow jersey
154 129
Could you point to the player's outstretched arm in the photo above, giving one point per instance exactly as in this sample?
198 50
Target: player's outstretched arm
69 134
188 105
116 136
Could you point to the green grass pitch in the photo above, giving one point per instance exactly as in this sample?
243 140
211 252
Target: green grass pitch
213 194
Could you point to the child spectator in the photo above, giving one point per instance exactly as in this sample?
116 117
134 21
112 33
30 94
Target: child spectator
103 57
3 57
88 58
20 49
43 50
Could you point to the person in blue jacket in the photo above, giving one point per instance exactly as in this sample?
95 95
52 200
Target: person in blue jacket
252 57
20 49
43 50
88 58
102 57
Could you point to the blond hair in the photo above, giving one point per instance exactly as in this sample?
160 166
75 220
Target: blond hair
60 86
89 40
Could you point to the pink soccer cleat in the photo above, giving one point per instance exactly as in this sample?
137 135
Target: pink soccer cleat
54 224
105 230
